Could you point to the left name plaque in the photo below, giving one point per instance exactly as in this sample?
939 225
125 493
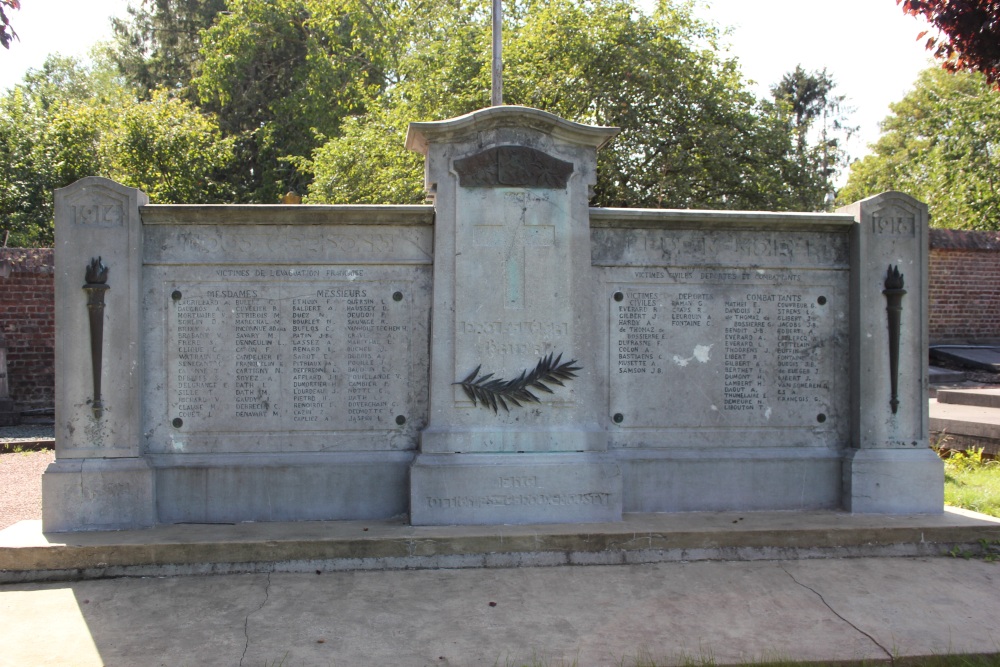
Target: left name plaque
295 355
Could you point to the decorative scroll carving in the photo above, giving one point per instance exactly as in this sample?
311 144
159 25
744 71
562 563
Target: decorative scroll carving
96 287
894 307
513 166
496 392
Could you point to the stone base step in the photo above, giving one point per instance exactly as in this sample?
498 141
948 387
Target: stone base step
26 554
944 376
981 397
959 426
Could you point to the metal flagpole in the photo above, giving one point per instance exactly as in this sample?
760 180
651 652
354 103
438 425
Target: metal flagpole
496 98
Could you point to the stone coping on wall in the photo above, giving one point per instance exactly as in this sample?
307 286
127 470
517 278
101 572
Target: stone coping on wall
27 260
285 214
662 218
961 239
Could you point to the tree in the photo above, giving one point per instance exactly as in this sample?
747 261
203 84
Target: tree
970 38
940 144
66 121
818 121
282 74
158 45
37 156
692 134
7 33
167 148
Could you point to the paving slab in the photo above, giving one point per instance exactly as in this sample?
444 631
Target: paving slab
972 356
818 610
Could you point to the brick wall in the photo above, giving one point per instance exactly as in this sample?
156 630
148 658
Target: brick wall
964 285
964 305
27 322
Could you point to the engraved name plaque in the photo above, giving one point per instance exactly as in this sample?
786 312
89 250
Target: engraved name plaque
272 351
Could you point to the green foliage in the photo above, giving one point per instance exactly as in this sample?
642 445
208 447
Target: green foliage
972 482
43 145
280 73
242 105
818 120
65 122
366 164
157 47
692 135
168 149
939 145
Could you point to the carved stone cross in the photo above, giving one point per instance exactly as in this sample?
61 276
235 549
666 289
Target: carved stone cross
514 239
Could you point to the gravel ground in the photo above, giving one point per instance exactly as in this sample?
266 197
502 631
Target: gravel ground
21 485
25 432
21 472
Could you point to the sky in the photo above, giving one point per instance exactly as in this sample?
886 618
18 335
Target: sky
869 47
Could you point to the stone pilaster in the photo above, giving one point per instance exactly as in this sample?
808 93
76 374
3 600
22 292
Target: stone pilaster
99 479
890 467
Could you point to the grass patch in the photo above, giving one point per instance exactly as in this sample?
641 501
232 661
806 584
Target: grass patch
972 482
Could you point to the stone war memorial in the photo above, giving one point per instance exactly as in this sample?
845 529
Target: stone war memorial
506 355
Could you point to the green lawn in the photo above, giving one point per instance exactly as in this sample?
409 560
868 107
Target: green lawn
972 482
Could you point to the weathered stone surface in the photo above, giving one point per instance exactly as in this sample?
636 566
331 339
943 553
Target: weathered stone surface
250 354
513 288
889 360
515 488
96 218
97 494
507 356
9 416
232 488
283 360
726 337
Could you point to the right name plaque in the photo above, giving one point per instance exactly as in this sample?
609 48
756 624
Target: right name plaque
754 357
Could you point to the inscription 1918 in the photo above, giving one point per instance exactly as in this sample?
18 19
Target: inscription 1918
298 355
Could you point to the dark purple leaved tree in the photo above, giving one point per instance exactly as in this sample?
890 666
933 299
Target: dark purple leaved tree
7 33
970 33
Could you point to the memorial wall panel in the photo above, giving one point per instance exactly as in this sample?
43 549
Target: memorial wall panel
285 356
326 353
726 338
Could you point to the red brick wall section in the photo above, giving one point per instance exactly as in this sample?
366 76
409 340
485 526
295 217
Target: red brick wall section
27 321
964 286
964 305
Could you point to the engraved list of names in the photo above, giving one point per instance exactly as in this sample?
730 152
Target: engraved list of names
728 349
287 354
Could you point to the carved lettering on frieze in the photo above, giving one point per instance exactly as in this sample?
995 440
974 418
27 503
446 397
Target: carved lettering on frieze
266 245
99 215
513 166
894 222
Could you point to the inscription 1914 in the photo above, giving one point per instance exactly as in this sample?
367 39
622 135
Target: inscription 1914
300 355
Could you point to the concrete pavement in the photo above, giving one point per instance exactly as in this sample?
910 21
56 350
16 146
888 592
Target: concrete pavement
819 610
